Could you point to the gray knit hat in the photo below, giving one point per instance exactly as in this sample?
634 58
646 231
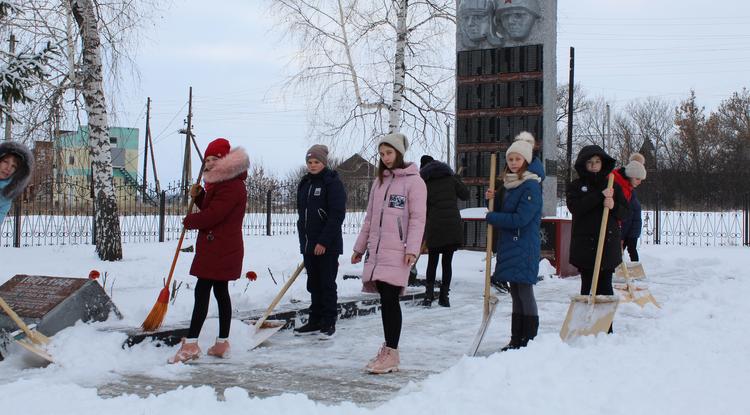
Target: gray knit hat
523 145
397 141
318 152
635 170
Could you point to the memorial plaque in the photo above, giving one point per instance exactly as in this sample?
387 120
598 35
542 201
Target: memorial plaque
54 303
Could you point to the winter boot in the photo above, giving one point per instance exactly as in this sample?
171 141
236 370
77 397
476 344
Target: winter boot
377 357
530 328
327 332
312 327
429 294
220 349
443 299
189 350
388 362
516 332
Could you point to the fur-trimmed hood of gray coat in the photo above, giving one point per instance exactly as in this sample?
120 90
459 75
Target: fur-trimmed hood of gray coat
22 176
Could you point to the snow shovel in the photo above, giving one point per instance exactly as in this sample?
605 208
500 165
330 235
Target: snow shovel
490 301
264 328
29 338
634 270
591 314
631 292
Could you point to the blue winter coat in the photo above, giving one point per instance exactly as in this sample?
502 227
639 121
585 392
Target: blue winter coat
632 224
518 221
321 206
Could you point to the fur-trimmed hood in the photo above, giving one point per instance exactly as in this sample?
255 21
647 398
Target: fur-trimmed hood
232 165
22 176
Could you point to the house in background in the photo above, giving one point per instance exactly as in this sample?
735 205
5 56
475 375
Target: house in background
75 161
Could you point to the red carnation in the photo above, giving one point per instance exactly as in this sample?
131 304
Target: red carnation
251 275
94 274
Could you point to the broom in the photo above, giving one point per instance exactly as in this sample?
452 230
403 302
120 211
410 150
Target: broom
159 310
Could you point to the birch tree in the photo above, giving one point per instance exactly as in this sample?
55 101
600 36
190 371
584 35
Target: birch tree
106 217
369 67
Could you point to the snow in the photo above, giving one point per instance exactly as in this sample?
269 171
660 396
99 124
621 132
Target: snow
690 356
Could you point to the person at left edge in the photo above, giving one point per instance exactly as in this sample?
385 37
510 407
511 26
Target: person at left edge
16 165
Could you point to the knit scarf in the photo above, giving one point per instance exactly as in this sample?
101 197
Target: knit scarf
511 180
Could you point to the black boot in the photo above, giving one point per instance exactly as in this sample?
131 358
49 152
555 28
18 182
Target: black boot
443 299
530 329
429 294
516 332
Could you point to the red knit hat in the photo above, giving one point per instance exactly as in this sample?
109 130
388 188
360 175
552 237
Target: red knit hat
217 148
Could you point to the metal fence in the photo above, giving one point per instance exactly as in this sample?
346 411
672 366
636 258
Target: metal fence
62 214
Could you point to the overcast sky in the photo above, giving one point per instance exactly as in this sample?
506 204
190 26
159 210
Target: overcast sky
230 54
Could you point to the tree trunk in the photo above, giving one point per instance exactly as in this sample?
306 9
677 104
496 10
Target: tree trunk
106 217
399 75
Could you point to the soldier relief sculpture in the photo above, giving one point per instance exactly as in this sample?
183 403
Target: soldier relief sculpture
492 23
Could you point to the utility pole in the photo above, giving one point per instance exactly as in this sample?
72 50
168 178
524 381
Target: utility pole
8 118
146 136
187 175
608 147
448 143
571 83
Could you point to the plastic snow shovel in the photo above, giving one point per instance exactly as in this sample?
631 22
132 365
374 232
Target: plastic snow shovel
631 292
28 338
490 301
264 328
591 314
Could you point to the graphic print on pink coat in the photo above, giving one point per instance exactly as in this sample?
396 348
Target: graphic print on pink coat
393 227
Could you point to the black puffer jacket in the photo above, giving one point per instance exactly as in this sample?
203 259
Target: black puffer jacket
586 202
321 205
444 188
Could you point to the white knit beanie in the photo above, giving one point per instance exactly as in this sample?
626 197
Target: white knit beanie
638 157
635 170
397 141
523 145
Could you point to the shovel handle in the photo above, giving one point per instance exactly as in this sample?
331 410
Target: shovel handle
488 251
289 282
600 245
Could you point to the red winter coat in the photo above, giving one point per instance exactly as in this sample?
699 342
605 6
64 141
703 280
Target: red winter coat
219 249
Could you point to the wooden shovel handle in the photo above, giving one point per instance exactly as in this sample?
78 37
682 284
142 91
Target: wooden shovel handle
488 251
289 282
600 246
16 319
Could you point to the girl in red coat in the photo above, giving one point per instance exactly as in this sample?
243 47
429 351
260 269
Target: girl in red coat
219 248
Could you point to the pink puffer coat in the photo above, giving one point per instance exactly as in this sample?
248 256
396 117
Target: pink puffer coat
393 227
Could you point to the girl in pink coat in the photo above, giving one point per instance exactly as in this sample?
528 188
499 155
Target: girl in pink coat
390 240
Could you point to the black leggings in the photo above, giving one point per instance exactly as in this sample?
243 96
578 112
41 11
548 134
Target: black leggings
200 309
604 286
432 263
631 244
390 312
524 302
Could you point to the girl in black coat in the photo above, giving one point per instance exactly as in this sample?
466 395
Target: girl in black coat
586 198
443 231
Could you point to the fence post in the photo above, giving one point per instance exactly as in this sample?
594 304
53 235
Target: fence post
746 214
17 223
657 225
162 208
268 212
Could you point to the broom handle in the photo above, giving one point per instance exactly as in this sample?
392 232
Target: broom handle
600 245
182 234
488 251
269 310
16 319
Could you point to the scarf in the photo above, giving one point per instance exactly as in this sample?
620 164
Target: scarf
511 180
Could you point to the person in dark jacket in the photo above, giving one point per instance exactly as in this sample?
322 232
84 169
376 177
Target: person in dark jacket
630 177
321 206
518 218
219 247
444 232
16 165
586 198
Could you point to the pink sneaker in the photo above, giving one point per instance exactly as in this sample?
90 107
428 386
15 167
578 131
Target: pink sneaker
220 349
188 351
376 358
388 362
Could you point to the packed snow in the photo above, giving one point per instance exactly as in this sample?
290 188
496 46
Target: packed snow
689 356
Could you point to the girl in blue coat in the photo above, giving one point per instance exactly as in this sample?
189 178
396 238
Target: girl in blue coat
517 219
16 164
